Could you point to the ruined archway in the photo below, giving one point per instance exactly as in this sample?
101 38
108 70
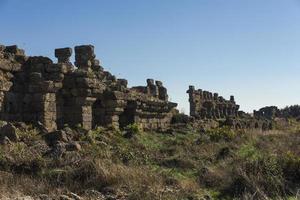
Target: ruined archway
127 117
98 113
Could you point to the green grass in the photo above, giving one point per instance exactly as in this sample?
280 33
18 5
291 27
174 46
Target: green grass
222 164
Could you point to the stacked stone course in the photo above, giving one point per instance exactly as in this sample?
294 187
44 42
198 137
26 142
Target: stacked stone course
36 89
207 105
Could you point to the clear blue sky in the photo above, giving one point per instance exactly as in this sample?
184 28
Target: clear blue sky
248 48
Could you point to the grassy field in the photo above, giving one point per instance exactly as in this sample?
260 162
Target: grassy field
184 165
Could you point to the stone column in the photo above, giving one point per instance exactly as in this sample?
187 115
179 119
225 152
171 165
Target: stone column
191 91
152 89
216 96
162 91
232 99
112 116
84 57
47 110
63 55
85 111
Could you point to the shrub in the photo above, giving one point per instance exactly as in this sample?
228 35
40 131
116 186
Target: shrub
291 170
249 152
95 134
261 176
131 130
28 135
223 133
134 128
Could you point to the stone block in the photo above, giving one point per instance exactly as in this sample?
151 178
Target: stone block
122 82
84 52
159 83
63 52
150 82
15 50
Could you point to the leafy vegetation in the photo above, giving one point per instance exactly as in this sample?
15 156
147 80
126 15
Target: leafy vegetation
184 165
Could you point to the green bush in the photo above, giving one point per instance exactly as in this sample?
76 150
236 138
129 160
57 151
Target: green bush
291 170
223 133
249 152
132 129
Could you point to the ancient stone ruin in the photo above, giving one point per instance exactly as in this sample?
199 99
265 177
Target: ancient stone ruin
36 89
207 105
268 112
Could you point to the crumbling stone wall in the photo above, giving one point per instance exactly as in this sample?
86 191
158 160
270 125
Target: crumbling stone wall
37 89
29 86
207 105
268 112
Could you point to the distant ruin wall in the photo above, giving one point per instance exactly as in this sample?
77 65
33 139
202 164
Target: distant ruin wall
207 105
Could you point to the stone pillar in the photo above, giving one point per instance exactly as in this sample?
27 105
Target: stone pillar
85 111
205 95
216 95
162 91
112 115
47 110
84 57
152 89
63 55
210 96
191 91
232 99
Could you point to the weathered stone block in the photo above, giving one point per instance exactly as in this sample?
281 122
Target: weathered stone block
63 52
150 82
15 50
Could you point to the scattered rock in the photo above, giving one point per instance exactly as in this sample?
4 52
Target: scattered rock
171 131
93 194
21 126
65 197
69 132
128 134
57 150
5 141
41 127
2 123
108 190
73 146
75 196
40 146
9 131
25 198
55 136
44 197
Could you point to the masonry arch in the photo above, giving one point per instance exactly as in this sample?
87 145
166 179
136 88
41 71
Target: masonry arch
98 113
127 117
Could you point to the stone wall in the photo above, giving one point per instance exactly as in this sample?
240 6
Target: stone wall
37 89
268 112
207 105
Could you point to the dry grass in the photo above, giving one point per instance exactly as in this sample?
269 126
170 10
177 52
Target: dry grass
186 165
